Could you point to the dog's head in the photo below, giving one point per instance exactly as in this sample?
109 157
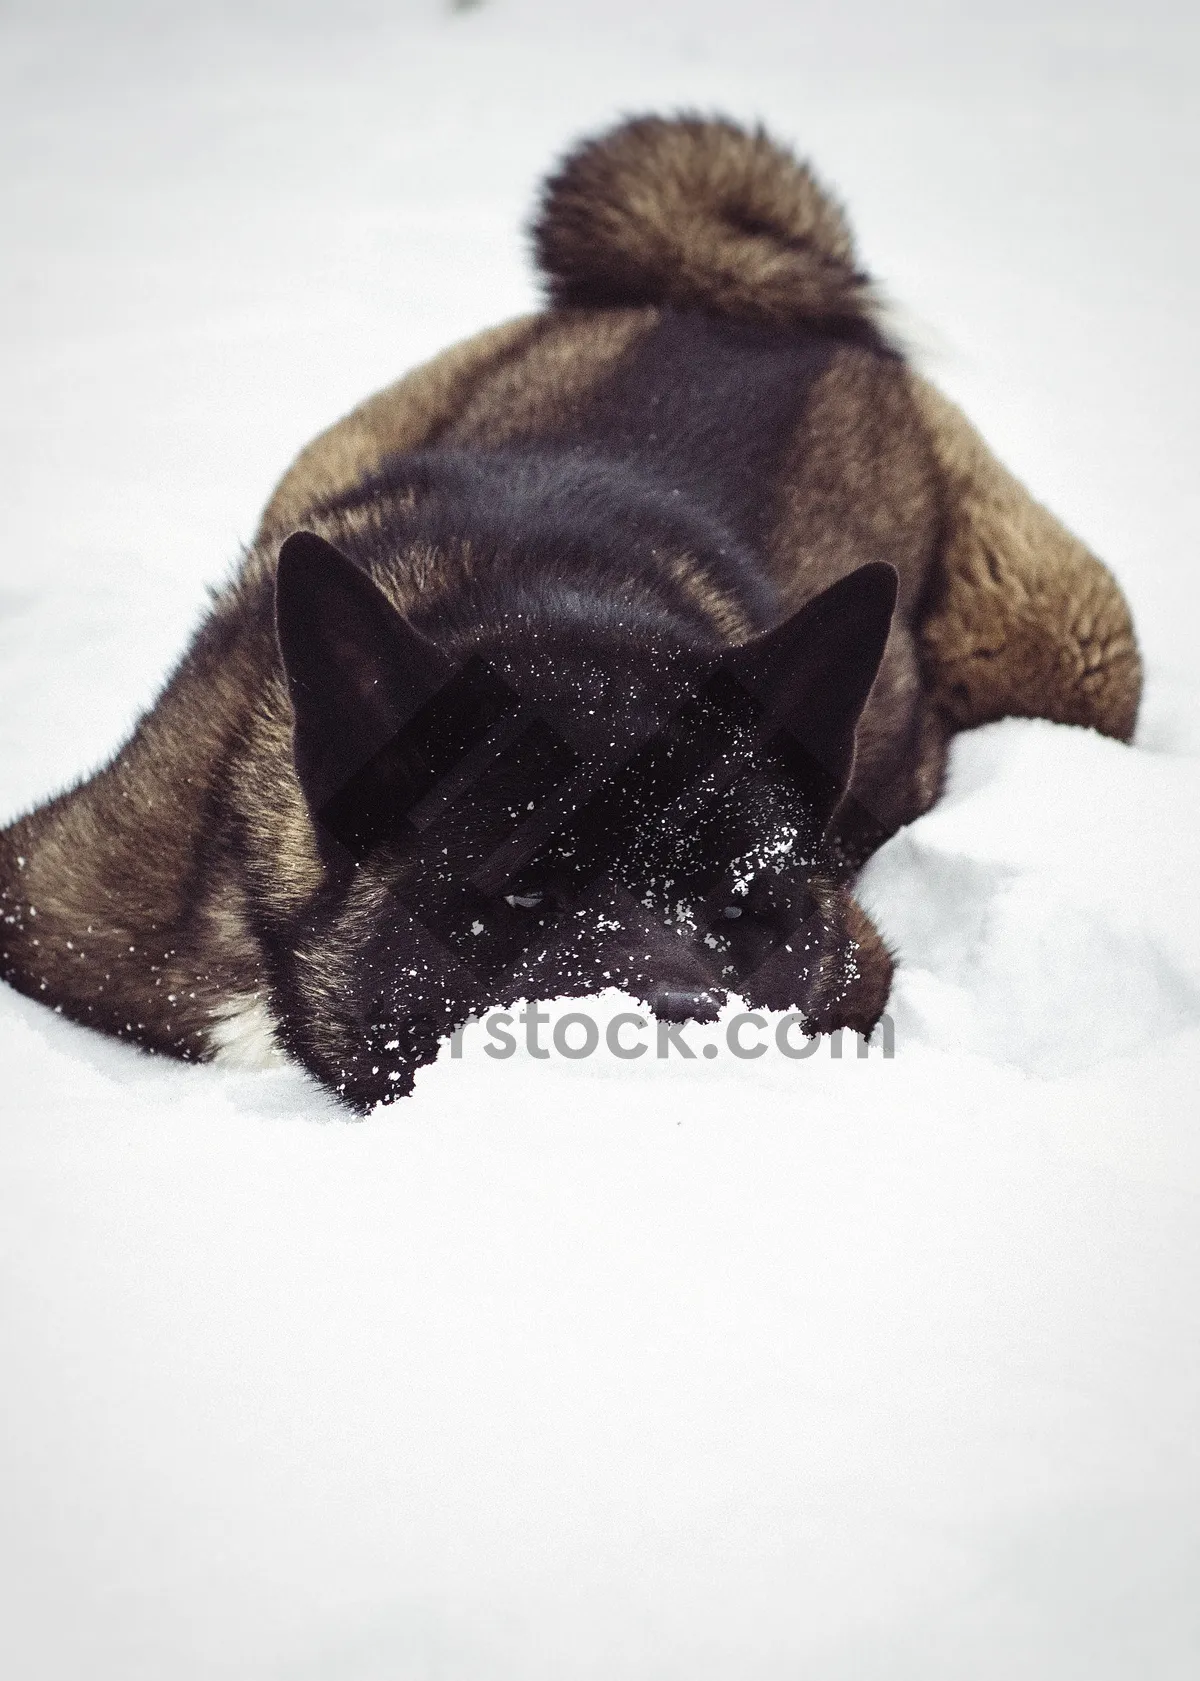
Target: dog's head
561 800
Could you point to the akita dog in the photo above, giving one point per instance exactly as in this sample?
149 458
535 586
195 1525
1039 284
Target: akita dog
598 652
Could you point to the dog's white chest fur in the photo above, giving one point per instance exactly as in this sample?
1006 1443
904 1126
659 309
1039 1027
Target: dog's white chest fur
244 1034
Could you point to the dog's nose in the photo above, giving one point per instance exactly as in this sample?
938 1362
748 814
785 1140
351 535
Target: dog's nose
683 1003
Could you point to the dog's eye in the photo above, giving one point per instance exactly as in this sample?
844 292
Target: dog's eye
732 912
524 901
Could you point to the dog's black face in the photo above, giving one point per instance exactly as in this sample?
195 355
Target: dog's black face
564 805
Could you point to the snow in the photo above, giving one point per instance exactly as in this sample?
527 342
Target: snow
842 1367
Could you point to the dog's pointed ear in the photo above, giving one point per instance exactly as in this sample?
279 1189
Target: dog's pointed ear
356 669
813 673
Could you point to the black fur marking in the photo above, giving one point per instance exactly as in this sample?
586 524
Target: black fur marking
356 671
707 408
457 732
676 453
817 668
482 794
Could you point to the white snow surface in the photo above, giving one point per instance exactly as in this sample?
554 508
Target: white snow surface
842 1368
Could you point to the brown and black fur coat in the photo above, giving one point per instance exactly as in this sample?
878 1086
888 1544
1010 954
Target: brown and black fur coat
703 431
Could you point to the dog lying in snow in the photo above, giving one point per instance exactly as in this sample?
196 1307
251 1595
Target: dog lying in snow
599 651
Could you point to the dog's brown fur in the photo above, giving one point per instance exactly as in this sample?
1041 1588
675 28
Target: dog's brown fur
698 214
139 902
1022 621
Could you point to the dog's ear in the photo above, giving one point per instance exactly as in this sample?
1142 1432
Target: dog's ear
813 673
357 672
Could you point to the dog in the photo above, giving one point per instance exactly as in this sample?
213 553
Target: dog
600 651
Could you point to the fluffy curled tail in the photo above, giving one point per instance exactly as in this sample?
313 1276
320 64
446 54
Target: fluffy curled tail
699 214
